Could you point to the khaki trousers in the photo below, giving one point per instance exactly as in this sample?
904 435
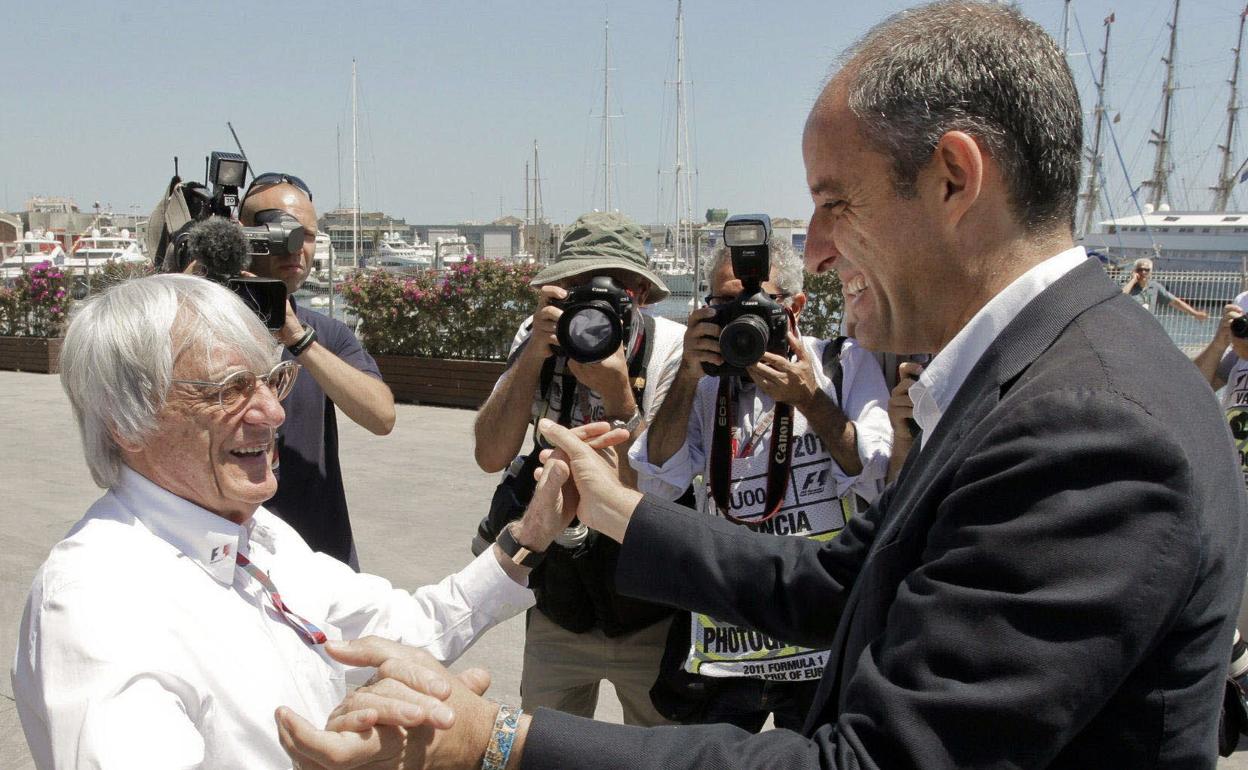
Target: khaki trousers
563 670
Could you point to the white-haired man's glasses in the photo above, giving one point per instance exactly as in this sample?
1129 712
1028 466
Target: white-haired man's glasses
238 388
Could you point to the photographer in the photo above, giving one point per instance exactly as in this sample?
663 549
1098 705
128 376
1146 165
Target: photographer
310 494
716 671
582 631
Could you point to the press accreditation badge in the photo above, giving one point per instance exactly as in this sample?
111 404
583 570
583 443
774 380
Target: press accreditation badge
811 508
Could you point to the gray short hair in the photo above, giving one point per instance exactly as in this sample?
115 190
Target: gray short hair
786 265
119 353
1142 261
977 67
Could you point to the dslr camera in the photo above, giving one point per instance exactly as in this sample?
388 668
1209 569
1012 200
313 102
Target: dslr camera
597 318
1239 326
752 323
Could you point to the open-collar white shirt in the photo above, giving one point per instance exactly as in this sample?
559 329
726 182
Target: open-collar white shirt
143 644
940 381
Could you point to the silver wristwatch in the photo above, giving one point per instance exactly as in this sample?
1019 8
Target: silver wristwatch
631 425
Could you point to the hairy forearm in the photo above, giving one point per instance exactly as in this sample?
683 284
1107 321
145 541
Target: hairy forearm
1207 360
361 397
670 429
501 424
836 430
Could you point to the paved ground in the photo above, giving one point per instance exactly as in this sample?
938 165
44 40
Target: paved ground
416 497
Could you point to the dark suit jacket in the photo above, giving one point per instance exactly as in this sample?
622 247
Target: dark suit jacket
1052 581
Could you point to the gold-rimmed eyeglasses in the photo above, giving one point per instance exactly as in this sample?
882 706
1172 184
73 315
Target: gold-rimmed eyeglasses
238 388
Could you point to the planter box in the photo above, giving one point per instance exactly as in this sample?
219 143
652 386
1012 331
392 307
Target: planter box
31 354
439 381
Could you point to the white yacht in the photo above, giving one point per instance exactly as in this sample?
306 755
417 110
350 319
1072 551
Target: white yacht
675 272
24 254
91 253
396 254
452 251
1175 240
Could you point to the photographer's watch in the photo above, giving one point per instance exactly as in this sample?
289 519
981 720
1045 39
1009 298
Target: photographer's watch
518 553
631 425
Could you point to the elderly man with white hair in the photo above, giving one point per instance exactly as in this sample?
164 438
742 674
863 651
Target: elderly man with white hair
174 618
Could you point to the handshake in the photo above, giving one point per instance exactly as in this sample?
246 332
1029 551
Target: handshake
414 713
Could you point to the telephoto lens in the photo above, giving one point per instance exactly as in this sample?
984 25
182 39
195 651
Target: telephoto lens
1239 326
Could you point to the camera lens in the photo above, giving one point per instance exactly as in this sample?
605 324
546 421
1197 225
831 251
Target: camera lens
743 341
1239 327
588 333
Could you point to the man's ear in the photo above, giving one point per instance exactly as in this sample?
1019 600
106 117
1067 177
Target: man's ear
797 302
957 170
126 445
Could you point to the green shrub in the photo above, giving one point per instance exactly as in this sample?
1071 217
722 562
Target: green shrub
824 301
469 312
37 303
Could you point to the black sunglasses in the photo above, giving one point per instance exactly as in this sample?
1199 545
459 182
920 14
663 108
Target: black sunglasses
715 300
270 178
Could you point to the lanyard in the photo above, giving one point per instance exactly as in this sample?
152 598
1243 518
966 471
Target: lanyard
305 628
723 446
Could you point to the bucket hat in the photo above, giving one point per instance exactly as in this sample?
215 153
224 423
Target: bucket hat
602 240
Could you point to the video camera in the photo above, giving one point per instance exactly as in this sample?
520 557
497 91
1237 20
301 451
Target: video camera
213 238
752 323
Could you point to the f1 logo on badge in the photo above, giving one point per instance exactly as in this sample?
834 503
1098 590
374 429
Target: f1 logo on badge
219 553
815 482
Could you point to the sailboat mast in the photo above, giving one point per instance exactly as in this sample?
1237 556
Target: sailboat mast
355 170
1066 29
1161 172
606 113
1093 194
1226 180
686 253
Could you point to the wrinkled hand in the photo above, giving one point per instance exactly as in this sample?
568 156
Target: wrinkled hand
790 382
555 500
545 321
398 719
596 495
701 342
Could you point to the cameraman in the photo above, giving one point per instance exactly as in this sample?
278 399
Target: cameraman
716 671
310 494
583 632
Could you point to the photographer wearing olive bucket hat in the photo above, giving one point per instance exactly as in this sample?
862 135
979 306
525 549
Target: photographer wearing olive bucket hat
590 351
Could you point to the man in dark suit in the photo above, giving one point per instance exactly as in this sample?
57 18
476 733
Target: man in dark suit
1052 580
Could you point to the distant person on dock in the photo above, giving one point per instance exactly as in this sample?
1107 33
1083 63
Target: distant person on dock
582 631
830 397
155 634
1151 294
339 373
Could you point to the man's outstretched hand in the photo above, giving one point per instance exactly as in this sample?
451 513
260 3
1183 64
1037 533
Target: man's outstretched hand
412 714
595 494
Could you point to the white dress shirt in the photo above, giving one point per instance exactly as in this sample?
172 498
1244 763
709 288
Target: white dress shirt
143 644
940 381
866 401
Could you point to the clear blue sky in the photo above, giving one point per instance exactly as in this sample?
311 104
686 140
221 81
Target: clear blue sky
97 98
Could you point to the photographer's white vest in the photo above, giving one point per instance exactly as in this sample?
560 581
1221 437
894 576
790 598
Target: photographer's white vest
813 507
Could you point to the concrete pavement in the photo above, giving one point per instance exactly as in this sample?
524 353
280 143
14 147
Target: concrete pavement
416 497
